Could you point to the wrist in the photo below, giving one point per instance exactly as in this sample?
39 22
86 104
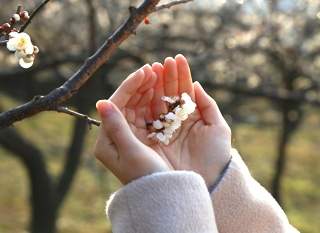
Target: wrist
220 176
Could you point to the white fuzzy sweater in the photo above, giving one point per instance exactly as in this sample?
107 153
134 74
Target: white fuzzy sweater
179 202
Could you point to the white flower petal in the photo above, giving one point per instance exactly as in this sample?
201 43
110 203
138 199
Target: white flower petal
170 100
16 17
20 54
189 108
35 49
25 64
181 113
166 142
11 44
161 137
168 132
170 116
24 36
157 124
13 34
176 124
29 48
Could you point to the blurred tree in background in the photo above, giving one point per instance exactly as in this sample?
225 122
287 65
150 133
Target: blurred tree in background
259 59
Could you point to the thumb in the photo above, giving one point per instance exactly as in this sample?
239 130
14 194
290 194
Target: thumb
207 106
115 125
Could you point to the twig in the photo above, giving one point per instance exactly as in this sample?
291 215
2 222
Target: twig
3 42
25 25
68 111
59 95
19 7
33 14
171 4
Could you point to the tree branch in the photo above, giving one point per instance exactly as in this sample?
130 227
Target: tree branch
25 25
59 95
33 14
68 111
171 4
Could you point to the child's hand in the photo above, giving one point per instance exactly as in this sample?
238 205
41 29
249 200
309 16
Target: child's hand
120 151
203 143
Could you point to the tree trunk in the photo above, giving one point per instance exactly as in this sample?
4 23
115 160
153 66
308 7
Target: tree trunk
282 155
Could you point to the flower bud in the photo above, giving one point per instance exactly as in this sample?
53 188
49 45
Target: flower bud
24 15
16 17
6 27
12 21
35 49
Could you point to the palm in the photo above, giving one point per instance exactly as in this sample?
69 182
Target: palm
199 138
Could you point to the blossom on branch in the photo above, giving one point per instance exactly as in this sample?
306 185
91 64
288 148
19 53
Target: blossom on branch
25 51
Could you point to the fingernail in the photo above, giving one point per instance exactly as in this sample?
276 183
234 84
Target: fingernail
99 102
139 71
108 108
104 107
146 66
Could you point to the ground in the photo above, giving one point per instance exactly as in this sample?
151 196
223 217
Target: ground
84 209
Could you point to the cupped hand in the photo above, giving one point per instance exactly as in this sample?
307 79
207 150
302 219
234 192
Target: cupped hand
203 143
119 149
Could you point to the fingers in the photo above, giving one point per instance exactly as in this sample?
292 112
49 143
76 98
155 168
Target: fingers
207 106
184 76
150 81
115 125
105 150
170 77
158 106
128 88
148 84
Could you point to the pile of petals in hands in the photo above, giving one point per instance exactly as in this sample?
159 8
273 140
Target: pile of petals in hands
20 43
179 109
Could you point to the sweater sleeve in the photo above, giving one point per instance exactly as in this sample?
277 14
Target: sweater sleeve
165 202
242 205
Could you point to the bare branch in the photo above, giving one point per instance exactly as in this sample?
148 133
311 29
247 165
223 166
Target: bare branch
68 111
33 14
59 95
3 42
25 25
171 4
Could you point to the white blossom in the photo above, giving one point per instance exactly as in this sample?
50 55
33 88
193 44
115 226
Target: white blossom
170 100
189 106
172 121
181 113
21 44
170 116
16 17
162 138
26 62
157 124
